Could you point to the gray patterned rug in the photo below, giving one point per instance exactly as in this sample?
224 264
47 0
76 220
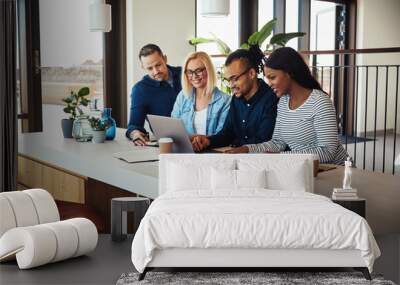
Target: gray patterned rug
243 278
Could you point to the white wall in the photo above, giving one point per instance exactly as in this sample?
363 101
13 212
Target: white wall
378 26
169 24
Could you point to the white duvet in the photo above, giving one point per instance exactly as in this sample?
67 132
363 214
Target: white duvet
250 219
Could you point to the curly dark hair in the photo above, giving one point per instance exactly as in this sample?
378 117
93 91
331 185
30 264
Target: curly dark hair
253 57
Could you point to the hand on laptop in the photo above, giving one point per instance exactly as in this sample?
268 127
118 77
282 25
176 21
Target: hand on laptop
139 138
199 142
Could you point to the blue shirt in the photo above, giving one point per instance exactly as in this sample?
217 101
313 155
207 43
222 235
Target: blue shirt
154 97
217 111
249 122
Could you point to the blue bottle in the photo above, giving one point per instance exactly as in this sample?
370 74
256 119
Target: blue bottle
112 127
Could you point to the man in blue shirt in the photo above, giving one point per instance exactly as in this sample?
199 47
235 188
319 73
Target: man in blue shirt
253 109
155 94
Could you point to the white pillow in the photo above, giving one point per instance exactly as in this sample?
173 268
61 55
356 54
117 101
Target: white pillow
291 179
189 176
223 179
291 175
251 178
237 179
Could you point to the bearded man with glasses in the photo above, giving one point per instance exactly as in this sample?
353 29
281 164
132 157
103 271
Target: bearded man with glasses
252 114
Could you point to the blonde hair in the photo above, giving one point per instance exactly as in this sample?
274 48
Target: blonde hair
187 87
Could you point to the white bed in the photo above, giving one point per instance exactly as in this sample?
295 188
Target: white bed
219 211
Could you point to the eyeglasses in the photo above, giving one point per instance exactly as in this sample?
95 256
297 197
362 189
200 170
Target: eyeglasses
233 79
197 72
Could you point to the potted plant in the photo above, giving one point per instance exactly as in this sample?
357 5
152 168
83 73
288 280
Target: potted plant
99 128
73 103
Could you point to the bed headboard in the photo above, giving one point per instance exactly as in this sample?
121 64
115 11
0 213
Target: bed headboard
288 164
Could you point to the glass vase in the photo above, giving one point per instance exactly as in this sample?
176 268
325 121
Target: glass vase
81 129
112 126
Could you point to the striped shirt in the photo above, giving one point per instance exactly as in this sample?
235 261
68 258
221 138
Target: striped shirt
311 128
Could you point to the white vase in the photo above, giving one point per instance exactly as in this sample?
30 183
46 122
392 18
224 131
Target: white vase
98 136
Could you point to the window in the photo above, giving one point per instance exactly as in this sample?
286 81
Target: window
71 55
322 30
28 67
265 14
292 21
327 27
224 28
18 66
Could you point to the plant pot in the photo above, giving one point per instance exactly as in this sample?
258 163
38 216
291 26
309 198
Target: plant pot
98 136
66 126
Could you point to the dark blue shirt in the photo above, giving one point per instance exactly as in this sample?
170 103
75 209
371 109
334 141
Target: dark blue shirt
153 97
249 122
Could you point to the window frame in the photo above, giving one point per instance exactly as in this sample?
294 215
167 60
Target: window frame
29 61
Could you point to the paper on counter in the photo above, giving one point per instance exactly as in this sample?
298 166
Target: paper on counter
138 154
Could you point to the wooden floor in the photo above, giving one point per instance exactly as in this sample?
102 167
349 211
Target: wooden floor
110 259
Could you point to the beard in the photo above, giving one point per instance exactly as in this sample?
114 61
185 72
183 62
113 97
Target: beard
158 77
237 94
241 93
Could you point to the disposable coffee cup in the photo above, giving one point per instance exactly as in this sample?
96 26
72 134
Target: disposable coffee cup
315 165
165 145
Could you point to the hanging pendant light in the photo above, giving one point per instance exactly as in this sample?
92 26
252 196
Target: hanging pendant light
214 8
99 16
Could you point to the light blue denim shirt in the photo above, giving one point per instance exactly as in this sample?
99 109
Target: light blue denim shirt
217 111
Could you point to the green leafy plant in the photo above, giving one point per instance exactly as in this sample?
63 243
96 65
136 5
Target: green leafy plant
97 124
221 45
75 100
276 41
257 38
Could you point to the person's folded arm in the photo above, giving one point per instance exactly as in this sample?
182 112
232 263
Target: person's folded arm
138 111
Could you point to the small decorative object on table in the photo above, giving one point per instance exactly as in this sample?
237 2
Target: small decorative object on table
99 128
81 130
111 130
347 192
73 101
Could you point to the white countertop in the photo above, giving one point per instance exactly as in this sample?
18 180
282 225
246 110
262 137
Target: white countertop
88 159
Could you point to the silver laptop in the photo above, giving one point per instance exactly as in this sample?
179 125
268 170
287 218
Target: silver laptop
163 127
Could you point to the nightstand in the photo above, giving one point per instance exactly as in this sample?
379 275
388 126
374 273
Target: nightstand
356 205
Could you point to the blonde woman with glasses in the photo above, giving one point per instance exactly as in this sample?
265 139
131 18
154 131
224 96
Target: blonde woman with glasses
201 105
